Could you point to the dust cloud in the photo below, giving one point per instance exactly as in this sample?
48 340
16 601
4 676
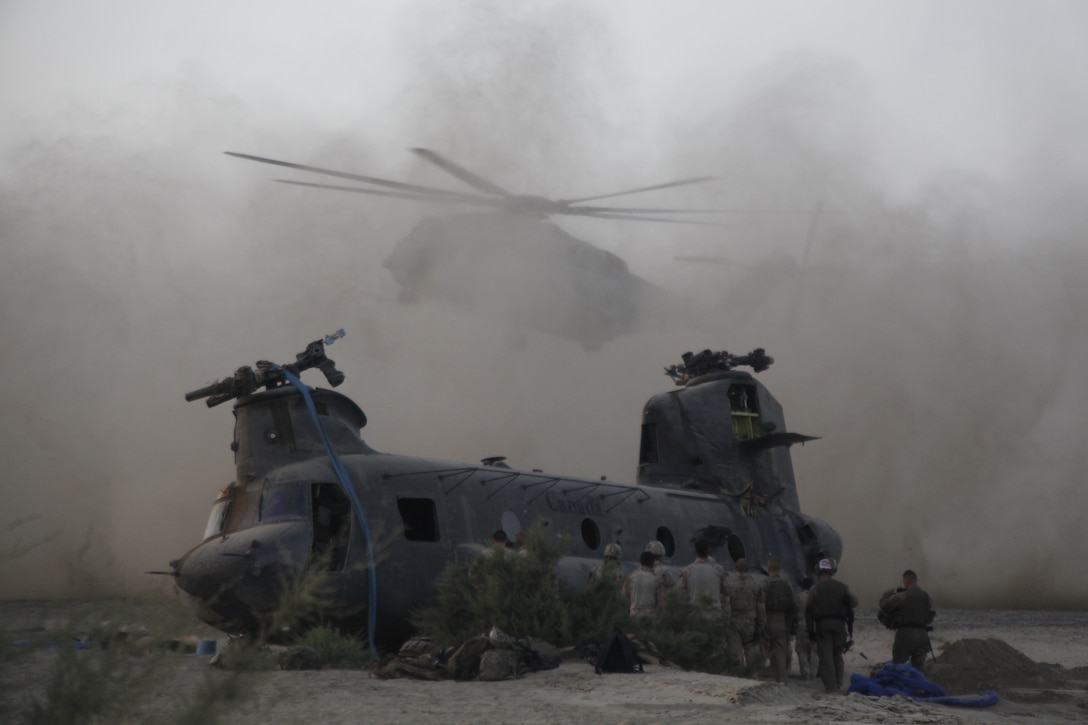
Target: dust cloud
929 333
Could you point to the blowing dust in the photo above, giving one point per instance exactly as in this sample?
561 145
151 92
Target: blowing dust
929 333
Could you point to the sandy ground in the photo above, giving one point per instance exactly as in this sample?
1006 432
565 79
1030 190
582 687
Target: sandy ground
183 688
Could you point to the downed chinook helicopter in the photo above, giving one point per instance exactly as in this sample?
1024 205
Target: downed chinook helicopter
713 464
510 263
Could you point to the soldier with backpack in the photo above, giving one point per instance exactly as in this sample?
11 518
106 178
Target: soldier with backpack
781 614
909 611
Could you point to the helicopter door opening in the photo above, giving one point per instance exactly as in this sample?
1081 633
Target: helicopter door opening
332 522
420 518
735 547
744 409
647 450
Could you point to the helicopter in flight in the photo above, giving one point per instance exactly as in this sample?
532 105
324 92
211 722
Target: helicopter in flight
509 262
714 464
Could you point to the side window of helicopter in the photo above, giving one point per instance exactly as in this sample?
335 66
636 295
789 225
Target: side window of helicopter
285 503
591 534
666 539
420 518
744 409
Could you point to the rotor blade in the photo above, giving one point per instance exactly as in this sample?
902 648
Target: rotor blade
710 260
461 173
354 177
640 210
394 194
654 219
680 182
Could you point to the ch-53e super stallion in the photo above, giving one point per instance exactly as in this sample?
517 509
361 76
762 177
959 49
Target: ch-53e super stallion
714 463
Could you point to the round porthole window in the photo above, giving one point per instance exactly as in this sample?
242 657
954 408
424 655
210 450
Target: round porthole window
511 524
591 534
665 537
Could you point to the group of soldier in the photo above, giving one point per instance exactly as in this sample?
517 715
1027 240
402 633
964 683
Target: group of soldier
764 615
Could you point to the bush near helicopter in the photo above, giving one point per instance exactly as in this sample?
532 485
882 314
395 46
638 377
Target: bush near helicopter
510 262
714 463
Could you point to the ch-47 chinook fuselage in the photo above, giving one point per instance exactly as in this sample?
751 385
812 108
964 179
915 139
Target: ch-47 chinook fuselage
714 464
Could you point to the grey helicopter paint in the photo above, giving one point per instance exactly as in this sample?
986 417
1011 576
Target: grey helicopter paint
714 463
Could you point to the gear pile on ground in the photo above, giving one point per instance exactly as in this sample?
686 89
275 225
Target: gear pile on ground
492 656
969 665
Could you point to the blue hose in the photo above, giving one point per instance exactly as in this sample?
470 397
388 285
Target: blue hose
356 507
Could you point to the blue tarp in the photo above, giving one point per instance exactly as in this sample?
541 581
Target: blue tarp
890 679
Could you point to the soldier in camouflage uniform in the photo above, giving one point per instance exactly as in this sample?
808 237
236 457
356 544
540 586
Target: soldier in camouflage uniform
746 617
704 578
657 549
609 569
781 609
644 589
805 647
830 605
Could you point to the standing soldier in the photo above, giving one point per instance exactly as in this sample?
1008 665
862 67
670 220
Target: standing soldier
704 578
644 589
781 615
804 645
746 615
657 550
911 611
609 569
830 604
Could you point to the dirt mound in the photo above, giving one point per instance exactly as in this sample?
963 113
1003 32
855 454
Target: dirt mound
970 665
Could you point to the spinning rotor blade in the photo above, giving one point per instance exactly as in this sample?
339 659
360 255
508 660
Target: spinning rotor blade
603 215
680 182
394 194
640 210
463 174
356 177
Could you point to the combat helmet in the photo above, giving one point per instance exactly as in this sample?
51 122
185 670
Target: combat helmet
656 548
613 551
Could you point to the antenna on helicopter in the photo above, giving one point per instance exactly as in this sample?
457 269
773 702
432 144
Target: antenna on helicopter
268 375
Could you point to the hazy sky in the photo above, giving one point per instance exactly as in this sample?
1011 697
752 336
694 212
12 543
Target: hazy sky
962 83
934 340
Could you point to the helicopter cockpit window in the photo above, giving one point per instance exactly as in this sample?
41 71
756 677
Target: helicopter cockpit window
242 513
744 409
420 518
215 520
591 534
285 503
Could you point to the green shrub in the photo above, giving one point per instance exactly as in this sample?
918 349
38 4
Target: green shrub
690 635
595 611
336 648
516 592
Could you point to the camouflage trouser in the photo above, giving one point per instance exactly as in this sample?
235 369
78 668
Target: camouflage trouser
744 644
776 644
806 654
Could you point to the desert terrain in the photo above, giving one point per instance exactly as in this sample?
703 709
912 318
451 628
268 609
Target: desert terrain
1039 666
